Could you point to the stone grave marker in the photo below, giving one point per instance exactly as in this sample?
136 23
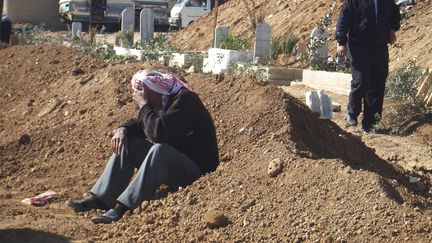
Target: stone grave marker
220 31
262 41
146 25
326 105
324 49
76 30
128 23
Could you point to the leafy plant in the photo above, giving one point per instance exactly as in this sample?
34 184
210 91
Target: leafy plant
401 83
283 45
234 43
401 87
313 57
197 61
126 38
250 70
35 35
92 34
157 47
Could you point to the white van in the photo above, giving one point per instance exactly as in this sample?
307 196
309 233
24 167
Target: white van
185 12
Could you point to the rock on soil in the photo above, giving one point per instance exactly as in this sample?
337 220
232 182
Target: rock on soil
275 167
215 219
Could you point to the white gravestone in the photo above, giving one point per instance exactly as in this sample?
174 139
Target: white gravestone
128 22
320 103
313 101
326 105
76 30
146 25
324 49
262 41
220 31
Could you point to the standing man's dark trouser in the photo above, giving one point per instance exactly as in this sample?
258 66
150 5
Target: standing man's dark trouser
6 28
157 164
369 73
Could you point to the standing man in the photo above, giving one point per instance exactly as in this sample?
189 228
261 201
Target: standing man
6 28
365 27
171 142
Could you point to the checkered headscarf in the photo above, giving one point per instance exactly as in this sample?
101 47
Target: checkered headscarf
165 84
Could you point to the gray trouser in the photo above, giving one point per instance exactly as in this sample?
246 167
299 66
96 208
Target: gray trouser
157 164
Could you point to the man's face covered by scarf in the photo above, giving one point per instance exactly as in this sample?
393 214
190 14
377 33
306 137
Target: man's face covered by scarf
164 84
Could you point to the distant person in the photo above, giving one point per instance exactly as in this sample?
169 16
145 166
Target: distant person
6 28
172 141
365 28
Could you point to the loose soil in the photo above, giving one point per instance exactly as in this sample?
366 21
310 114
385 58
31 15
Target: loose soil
59 109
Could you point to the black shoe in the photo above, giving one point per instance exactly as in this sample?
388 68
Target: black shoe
87 204
351 121
111 215
368 129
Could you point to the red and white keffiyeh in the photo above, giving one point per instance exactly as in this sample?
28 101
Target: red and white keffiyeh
162 83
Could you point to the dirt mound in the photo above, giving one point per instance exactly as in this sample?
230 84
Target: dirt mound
332 186
300 18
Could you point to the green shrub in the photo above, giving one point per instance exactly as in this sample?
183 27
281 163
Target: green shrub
126 38
156 47
283 45
401 83
234 43
35 35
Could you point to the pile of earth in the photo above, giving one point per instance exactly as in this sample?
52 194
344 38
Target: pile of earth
300 18
59 108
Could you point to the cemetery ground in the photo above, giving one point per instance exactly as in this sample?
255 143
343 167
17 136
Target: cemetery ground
59 108
327 182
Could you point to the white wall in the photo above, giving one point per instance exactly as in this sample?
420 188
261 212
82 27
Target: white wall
34 12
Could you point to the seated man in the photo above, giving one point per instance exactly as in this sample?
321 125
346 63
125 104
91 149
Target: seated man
172 142
6 28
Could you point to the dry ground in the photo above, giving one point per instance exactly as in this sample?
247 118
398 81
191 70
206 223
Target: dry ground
333 186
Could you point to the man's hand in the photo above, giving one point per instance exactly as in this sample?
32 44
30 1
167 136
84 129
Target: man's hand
342 51
118 140
427 1
392 37
140 97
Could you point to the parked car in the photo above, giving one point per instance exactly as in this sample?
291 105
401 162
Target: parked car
184 12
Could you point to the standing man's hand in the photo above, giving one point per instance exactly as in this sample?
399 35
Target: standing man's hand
427 1
118 140
392 37
342 51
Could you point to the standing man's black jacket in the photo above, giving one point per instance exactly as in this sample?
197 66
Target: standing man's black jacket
358 20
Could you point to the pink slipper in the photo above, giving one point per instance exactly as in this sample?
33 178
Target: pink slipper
41 199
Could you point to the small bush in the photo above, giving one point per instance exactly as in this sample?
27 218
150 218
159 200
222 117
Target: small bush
234 43
401 83
35 35
283 45
249 70
126 38
156 47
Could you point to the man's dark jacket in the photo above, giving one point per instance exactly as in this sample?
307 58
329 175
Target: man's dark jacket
185 124
358 20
